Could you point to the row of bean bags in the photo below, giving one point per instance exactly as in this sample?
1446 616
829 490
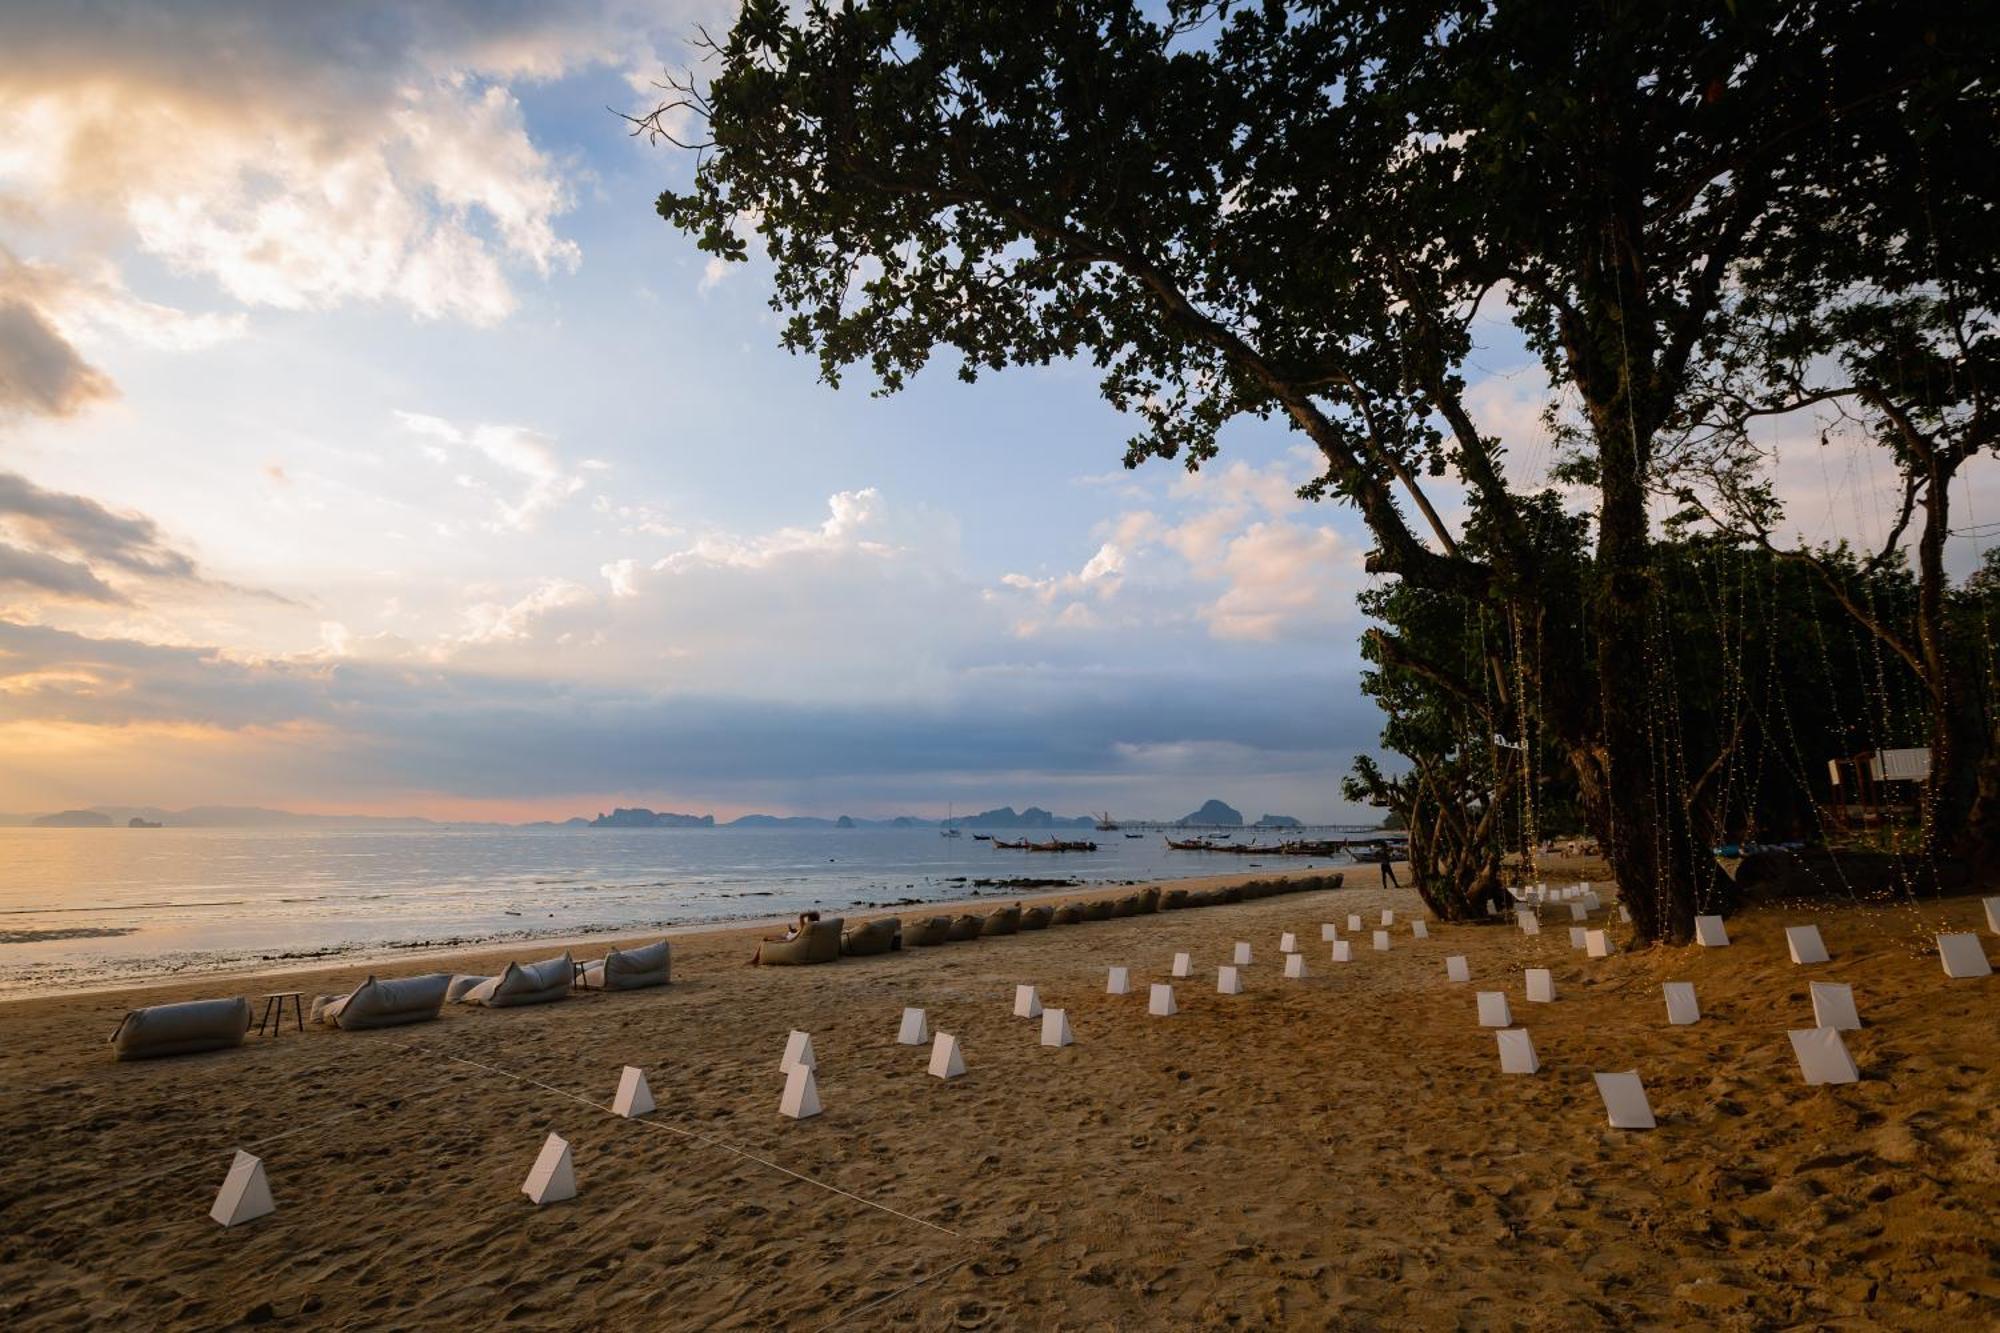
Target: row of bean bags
181 1029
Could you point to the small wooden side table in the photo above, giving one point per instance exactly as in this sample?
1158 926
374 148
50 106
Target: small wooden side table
298 1011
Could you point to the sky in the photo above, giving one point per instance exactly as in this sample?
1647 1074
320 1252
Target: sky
367 444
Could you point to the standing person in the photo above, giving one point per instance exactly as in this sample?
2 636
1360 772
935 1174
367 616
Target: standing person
1386 858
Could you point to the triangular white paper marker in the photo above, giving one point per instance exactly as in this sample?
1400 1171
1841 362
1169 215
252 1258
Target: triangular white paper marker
1242 958
552 1180
1625 914
1517 1052
1681 1006
1833 1006
1598 944
1055 1028
1353 922
634 1098
916 1029
1388 916
798 1053
1420 930
1529 923
1493 1010
1455 968
1590 901
1118 982
1578 912
1227 982
1962 956
1328 932
1579 937
1823 1056
1625 1100
1027 1004
1710 933
1381 941
1342 951
946 1059
1541 986
1295 966
1992 914
1805 944
1181 964
1160 1003
245 1194
801 1097
1288 943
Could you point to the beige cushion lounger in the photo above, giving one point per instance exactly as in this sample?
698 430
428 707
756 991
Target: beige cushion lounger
1036 918
927 933
966 928
385 1004
818 943
536 983
1006 921
181 1029
875 937
630 969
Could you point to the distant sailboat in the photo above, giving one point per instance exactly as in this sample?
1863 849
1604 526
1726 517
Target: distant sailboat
950 829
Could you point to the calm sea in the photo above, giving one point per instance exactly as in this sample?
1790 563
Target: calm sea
88 906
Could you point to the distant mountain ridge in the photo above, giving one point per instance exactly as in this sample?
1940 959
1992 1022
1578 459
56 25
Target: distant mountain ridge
1213 813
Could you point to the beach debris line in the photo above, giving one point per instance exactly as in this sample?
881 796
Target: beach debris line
634 1097
245 1194
553 1178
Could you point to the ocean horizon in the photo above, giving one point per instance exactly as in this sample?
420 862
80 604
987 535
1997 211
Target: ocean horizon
93 907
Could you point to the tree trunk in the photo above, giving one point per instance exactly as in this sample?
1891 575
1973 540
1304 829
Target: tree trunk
1664 874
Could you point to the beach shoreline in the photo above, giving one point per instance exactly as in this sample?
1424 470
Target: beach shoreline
379 955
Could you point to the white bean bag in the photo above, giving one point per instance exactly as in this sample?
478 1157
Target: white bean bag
536 983
181 1029
387 1004
630 969
460 985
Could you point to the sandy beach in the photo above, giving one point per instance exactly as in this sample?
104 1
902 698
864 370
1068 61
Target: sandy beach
1341 1151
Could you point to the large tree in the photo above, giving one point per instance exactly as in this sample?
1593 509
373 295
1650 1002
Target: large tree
1296 212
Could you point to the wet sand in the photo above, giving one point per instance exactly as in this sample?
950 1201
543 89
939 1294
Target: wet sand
1335 1152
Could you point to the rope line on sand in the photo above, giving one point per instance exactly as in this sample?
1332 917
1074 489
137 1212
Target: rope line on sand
838 1320
744 1153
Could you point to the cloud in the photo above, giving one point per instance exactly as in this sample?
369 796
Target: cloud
64 580
85 531
528 456
349 730
40 371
